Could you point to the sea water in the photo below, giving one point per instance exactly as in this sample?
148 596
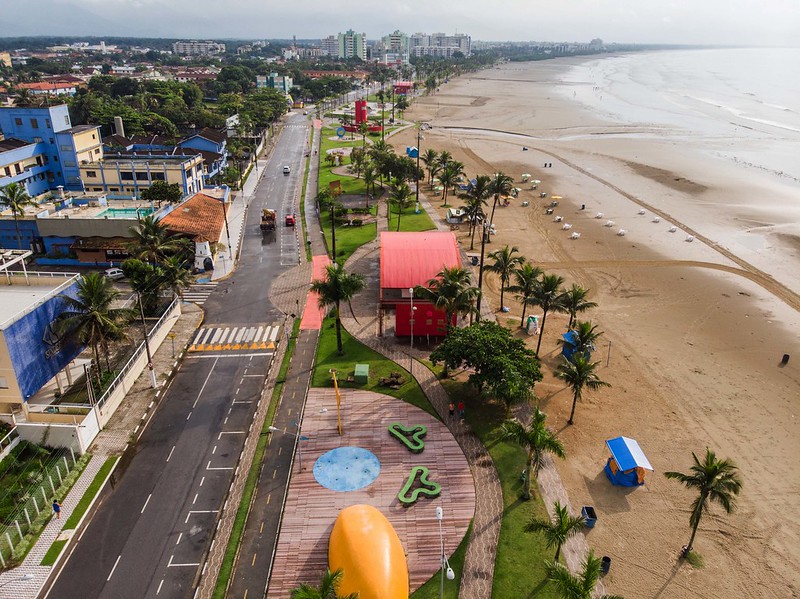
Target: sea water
749 95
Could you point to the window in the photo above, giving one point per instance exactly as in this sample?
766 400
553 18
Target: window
97 150
91 173
66 148
47 124
141 176
69 163
157 177
18 168
46 159
8 172
126 175
94 136
113 189
18 122
55 158
66 120
34 123
37 140
52 141
3 383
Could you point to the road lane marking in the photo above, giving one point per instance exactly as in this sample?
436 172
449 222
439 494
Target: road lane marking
261 528
180 536
208 467
173 565
160 584
189 415
268 499
170 453
202 480
146 501
195 498
198 512
119 557
213 451
219 436
253 563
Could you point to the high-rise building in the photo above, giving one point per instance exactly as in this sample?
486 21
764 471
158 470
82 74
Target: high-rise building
393 48
439 44
352 45
195 48
330 45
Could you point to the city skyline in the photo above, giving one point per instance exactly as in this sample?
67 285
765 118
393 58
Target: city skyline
747 22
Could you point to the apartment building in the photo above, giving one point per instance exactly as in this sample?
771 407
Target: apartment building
195 48
439 44
126 175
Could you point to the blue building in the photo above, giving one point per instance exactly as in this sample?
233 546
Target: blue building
62 147
25 163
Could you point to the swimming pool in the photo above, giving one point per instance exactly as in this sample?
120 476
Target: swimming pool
125 212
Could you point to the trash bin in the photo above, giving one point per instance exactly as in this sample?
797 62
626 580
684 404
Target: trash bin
588 513
605 564
474 260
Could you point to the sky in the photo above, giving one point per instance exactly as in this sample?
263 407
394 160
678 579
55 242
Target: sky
740 22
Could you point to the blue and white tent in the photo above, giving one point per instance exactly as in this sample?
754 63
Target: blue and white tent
627 463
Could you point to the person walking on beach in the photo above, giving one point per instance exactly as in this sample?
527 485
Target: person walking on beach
452 408
461 410
57 509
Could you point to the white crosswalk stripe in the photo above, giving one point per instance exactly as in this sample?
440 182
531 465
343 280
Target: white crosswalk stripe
199 292
235 338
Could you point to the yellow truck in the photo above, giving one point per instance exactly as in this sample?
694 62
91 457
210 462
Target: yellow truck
268 220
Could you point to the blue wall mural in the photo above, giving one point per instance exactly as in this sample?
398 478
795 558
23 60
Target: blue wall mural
35 359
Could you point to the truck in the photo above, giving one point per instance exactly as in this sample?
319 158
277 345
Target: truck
268 220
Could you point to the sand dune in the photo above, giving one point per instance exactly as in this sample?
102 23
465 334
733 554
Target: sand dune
696 330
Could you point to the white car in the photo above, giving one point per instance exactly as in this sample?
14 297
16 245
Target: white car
287 170
114 274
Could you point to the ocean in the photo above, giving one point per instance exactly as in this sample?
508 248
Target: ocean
745 95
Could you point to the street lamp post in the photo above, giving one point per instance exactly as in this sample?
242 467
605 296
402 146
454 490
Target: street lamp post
153 382
411 322
23 578
227 230
419 138
485 233
333 233
444 564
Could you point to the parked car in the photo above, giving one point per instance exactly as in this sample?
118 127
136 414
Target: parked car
290 220
114 274
287 170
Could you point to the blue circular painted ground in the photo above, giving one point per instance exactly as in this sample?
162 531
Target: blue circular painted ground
347 468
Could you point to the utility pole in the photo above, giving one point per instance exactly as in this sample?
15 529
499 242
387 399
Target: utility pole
419 137
480 272
333 233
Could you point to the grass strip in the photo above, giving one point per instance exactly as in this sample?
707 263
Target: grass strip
356 352
306 245
410 221
229 559
83 505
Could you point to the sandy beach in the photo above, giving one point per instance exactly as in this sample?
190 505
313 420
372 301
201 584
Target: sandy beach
696 329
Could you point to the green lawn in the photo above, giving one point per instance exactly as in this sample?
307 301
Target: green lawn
410 221
519 564
356 352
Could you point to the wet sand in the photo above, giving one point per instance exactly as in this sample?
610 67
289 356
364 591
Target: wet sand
696 329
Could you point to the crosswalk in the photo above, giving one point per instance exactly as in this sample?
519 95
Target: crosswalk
199 292
235 338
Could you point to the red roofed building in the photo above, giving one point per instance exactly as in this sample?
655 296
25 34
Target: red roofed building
406 261
44 88
202 219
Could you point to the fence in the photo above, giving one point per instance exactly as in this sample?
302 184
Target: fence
47 482
153 332
8 442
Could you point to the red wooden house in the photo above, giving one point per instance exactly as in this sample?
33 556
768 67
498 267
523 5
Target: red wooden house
406 261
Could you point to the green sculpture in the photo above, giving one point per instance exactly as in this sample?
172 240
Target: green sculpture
426 487
411 437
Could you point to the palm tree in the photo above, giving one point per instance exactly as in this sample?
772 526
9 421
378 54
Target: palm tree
15 198
547 295
579 374
363 131
89 318
504 264
328 588
369 178
526 277
580 585
500 184
176 276
574 301
559 529
449 177
716 480
538 440
585 334
337 287
476 199
400 196
152 241
451 291
430 158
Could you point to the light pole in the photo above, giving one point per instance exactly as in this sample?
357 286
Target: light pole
298 436
227 230
153 382
419 138
444 564
23 578
480 271
411 322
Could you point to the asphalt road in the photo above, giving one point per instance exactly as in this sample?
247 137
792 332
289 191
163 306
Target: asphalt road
150 533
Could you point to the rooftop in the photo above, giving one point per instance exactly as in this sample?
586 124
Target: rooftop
414 258
12 143
82 128
201 217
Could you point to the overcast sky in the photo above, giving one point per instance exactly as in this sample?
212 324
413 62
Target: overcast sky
747 22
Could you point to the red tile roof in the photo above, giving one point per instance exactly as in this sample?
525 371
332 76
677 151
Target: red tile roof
411 259
200 216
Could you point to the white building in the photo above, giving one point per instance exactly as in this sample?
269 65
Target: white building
439 44
330 46
195 48
394 48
